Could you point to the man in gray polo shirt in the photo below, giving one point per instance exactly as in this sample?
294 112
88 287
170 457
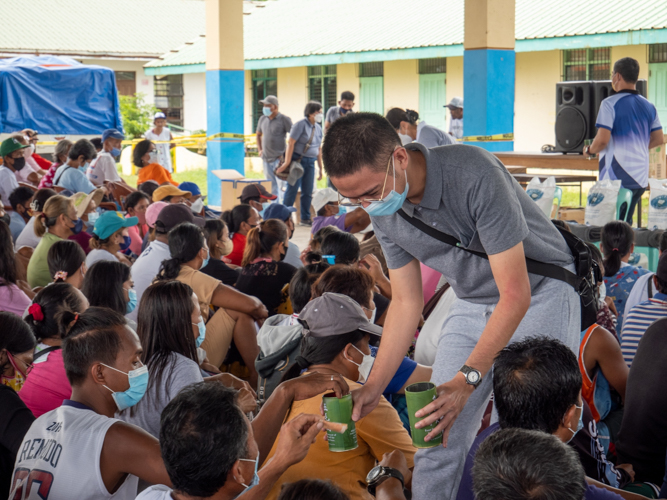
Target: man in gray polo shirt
466 192
272 128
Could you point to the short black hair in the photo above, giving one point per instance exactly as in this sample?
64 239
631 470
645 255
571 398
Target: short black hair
41 197
345 246
662 245
535 382
312 489
103 285
19 196
82 147
148 187
361 140
140 149
517 464
300 287
347 96
661 284
134 198
202 434
312 107
628 68
15 334
93 337
97 143
65 255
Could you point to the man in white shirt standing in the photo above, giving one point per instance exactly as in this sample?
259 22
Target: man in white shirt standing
161 133
103 168
455 107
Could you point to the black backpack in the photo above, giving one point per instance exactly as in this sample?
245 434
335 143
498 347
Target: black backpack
279 346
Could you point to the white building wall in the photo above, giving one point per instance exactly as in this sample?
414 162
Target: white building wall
194 101
144 81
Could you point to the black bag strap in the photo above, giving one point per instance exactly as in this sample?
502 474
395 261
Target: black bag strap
312 134
534 267
61 174
649 287
44 352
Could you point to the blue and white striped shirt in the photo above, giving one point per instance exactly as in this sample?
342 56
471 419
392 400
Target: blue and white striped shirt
638 320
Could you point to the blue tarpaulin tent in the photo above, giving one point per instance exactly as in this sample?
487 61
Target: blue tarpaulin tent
57 95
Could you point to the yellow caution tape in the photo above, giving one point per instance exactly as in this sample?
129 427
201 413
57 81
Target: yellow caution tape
188 141
488 138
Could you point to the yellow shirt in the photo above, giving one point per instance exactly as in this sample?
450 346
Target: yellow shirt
202 284
379 432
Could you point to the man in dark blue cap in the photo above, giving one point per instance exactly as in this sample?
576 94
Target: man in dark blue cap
103 168
283 213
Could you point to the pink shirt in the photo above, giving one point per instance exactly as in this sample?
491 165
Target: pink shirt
135 236
47 386
13 300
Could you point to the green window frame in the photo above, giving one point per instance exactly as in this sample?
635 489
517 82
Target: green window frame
371 69
587 64
657 53
168 92
264 83
322 85
433 65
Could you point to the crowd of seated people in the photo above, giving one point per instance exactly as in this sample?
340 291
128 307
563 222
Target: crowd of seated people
126 312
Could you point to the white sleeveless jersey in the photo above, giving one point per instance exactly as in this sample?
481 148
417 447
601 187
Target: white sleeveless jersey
60 458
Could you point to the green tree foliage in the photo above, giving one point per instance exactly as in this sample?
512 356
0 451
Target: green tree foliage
137 115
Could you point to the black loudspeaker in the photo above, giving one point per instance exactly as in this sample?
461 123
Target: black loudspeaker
577 105
574 109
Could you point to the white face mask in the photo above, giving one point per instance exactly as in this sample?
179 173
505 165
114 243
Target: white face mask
197 206
405 139
373 314
318 118
152 157
365 367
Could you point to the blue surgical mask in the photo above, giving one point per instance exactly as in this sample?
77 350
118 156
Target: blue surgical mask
78 226
344 111
84 167
580 424
255 477
205 263
391 203
267 111
115 152
126 243
202 332
138 383
132 304
264 207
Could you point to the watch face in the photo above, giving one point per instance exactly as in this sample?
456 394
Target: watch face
373 474
473 377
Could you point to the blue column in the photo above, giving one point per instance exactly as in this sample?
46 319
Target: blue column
488 87
224 108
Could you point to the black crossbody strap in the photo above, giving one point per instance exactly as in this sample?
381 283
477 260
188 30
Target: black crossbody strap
44 352
533 266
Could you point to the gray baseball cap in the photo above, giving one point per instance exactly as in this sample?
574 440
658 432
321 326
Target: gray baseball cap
269 99
335 314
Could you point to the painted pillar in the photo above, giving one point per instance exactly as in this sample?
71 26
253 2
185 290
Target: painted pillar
224 89
489 71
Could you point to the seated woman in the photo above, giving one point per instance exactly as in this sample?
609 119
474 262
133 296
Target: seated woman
219 244
67 263
57 222
13 293
17 345
171 329
28 238
240 220
109 284
60 156
336 343
318 237
263 273
136 205
339 247
144 158
47 386
617 242
72 175
109 238
86 210
237 312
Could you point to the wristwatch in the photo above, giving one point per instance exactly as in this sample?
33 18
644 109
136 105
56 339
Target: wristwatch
379 474
473 377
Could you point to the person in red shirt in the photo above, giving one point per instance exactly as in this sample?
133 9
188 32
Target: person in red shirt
240 220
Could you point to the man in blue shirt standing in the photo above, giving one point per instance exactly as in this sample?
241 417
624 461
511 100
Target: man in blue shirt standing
628 126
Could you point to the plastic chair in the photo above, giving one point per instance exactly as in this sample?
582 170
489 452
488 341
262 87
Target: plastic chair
624 198
558 198
652 255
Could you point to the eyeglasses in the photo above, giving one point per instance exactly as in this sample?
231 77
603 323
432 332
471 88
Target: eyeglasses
349 202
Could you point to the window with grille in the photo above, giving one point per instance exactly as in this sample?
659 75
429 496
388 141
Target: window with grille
168 90
264 83
587 64
322 85
435 65
371 69
657 53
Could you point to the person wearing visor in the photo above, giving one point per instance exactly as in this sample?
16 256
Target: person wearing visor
455 107
13 160
329 213
103 168
337 339
415 196
161 133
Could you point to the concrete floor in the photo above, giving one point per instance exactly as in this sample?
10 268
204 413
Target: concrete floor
301 236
